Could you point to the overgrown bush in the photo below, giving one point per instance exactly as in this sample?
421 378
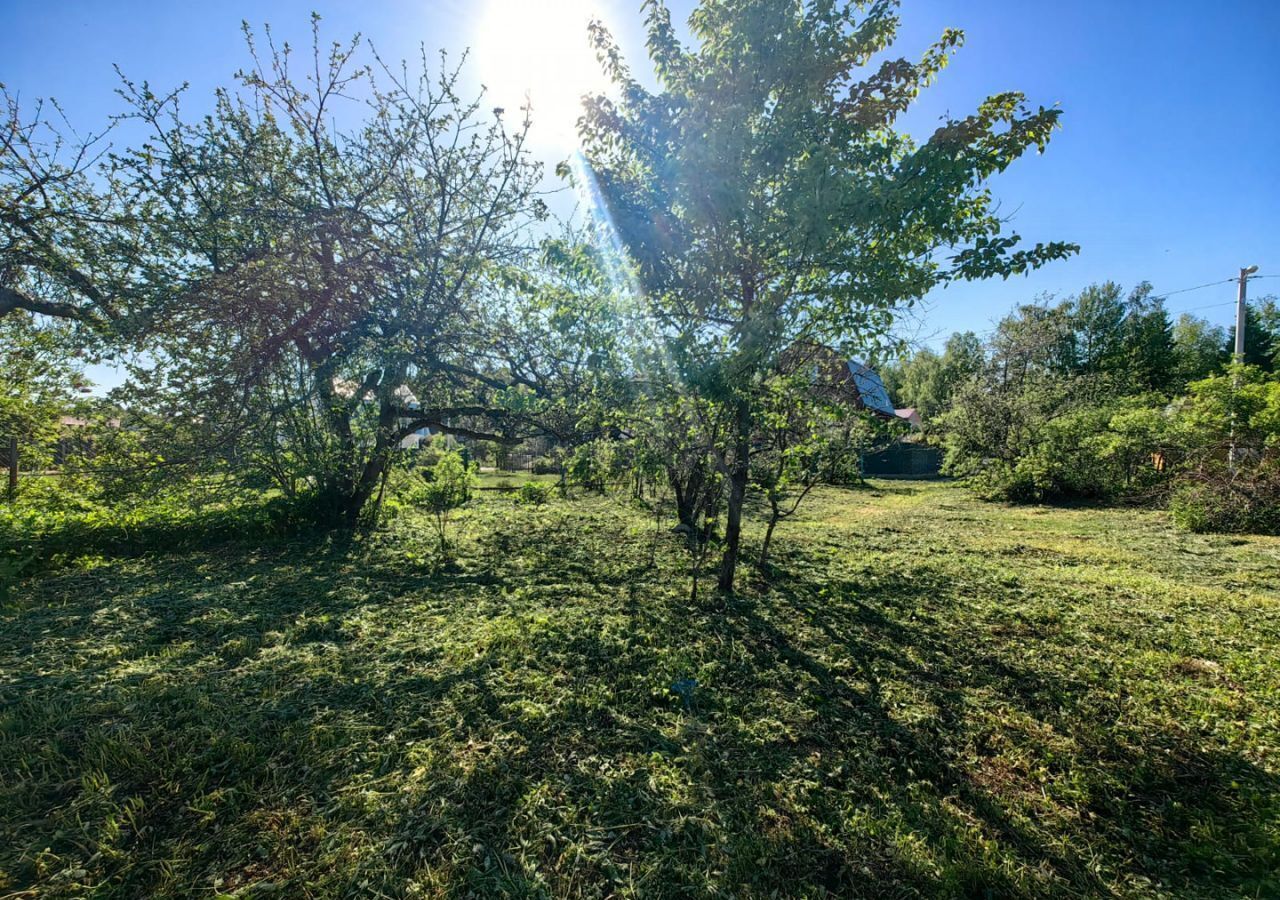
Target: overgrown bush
544 465
594 464
55 523
1106 451
1245 504
535 493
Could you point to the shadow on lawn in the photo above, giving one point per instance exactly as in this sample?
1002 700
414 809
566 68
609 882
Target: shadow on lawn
1155 806
849 737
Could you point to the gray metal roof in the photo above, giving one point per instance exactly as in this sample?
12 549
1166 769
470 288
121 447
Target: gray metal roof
871 389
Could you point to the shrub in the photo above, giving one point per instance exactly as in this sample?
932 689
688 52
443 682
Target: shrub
593 465
1086 451
535 493
545 465
1246 504
449 488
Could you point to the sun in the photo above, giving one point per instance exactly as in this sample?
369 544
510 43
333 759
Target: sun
540 51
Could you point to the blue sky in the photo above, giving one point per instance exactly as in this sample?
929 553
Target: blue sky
1167 167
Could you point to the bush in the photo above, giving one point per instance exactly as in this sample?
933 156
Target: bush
449 488
594 464
1246 504
535 493
545 465
1083 452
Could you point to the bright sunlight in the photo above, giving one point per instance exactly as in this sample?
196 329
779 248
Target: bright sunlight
540 51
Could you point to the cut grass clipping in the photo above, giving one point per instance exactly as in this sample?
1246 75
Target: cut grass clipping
930 696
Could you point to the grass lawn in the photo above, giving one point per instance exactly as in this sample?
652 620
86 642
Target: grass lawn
502 480
931 696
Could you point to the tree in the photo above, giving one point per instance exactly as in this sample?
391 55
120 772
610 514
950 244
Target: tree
918 382
926 381
1261 335
1149 357
1033 342
39 381
1097 324
314 292
1197 349
560 336
764 197
62 231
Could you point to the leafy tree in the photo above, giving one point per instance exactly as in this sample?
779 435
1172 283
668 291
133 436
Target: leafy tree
963 357
1241 406
1261 335
925 381
765 198
594 464
1149 357
1241 493
801 441
1033 342
561 337
919 381
1197 349
310 293
678 435
1097 325
68 232
39 382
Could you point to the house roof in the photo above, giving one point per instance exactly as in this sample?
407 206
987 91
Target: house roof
871 390
910 415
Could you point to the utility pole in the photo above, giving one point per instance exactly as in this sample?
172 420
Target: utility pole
1241 310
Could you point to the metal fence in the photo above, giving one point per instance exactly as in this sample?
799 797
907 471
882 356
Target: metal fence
904 461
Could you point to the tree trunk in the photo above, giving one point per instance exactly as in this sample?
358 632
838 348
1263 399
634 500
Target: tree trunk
375 468
687 495
737 494
768 537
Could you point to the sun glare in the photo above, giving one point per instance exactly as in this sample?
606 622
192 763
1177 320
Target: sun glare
539 51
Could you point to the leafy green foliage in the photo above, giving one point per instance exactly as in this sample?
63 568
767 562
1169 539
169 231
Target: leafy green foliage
39 382
801 441
535 493
594 465
925 381
765 199
307 294
448 487
1261 335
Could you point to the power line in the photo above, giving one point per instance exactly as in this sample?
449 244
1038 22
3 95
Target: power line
1198 287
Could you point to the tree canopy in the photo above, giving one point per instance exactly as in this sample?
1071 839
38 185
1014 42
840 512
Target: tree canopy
765 197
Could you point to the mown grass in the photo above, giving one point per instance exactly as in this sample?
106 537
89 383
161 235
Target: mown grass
930 696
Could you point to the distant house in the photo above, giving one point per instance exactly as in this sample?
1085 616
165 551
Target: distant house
859 386
413 441
74 438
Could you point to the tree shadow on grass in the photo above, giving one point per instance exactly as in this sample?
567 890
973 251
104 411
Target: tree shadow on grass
1132 799
336 725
